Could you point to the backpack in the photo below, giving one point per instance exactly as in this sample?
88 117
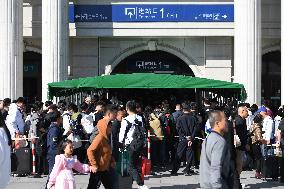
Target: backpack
94 134
167 125
139 136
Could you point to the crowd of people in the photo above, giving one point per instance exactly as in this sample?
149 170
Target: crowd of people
89 137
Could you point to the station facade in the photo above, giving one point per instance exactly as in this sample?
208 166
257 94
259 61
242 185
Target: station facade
43 41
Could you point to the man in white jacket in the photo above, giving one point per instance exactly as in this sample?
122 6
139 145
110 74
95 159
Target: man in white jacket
15 120
268 125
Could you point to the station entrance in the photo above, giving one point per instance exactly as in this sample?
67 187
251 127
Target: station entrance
153 62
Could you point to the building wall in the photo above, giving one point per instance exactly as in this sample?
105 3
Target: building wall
219 58
218 52
191 50
271 14
93 48
271 25
83 57
271 18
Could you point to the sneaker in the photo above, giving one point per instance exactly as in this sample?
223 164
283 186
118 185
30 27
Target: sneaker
174 174
143 187
188 174
257 175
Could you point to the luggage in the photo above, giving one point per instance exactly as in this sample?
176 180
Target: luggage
145 167
14 162
23 159
270 168
124 182
270 165
122 168
122 165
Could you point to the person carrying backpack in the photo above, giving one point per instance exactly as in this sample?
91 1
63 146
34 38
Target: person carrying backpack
100 152
73 129
132 136
169 131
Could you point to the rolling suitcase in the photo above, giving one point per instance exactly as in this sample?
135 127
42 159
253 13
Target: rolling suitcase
23 161
122 165
122 168
270 165
124 182
14 162
270 168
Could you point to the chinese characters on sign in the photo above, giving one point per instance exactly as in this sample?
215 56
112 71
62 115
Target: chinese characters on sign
90 17
138 13
152 13
90 13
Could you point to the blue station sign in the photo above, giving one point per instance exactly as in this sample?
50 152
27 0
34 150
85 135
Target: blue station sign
152 13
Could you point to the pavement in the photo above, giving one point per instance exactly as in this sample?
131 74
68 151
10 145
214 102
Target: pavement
159 180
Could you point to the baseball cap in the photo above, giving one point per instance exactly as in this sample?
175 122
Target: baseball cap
261 109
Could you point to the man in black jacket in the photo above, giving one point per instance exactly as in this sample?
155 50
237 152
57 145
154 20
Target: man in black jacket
186 128
241 131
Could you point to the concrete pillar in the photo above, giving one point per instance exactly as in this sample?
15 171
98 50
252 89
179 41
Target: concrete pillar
282 53
247 63
55 45
11 49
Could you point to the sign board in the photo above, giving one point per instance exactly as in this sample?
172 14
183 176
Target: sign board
31 69
152 13
150 66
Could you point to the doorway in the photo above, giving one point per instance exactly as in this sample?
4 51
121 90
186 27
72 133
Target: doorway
32 76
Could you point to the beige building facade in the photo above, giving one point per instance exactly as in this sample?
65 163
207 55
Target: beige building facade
44 46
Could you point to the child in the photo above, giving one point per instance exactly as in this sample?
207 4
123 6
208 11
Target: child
61 176
54 136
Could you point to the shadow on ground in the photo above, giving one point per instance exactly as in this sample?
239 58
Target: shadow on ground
189 186
267 184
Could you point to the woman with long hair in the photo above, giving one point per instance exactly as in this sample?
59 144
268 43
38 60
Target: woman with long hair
256 139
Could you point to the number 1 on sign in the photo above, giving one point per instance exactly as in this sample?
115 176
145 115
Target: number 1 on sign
162 11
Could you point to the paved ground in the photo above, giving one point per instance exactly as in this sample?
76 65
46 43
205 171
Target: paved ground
157 181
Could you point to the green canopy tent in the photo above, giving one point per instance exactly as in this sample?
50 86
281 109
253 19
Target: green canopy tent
141 81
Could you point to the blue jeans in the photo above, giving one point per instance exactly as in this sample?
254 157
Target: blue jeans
266 151
51 161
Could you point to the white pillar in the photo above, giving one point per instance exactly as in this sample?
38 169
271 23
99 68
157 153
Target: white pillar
282 53
247 63
55 46
11 49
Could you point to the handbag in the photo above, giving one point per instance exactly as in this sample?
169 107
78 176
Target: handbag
278 152
145 167
20 141
237 141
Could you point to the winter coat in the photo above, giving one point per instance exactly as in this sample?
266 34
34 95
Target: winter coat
100 152
14 120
